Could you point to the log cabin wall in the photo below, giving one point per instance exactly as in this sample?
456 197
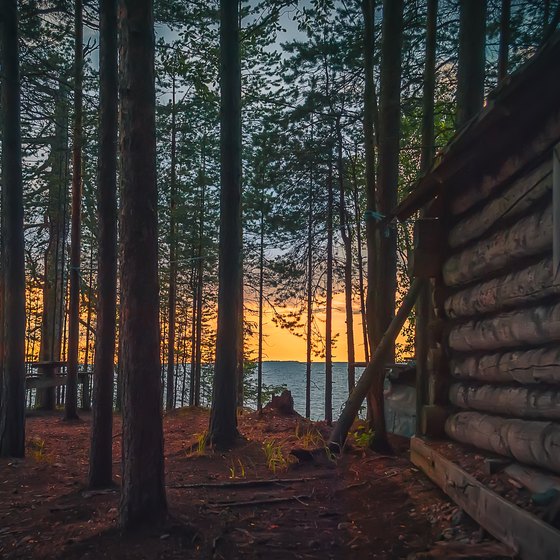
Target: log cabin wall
501 313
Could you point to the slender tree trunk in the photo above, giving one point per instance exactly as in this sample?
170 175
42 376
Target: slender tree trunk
70 406
329 295
12 403
172 261
223 420
54 293
101 453
505 34
261 298
309 336
358 220
389 138
470 75
347 242
192 391
370 139
86 394
424 308
143 497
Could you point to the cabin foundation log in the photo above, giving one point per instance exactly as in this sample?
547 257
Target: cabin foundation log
530 442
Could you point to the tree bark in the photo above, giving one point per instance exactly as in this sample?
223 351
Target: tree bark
309 334
101 453
71 403
261 301
472 44
12 403
223 420
143 492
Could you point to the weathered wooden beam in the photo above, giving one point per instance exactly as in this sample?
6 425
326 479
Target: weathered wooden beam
432 420
512 201
528 402
536 481
530 442
526 534
429 241
45 382
538 365
525 327
515 289
528 237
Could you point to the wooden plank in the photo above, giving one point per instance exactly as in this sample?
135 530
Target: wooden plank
526 534
45 382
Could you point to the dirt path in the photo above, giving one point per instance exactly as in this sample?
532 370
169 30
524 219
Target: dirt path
359 506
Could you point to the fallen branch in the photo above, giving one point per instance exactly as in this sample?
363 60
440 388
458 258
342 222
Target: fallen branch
243 483
260 502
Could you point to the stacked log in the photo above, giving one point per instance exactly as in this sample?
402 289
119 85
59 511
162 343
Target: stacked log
537 365
530 442
502 302
532 402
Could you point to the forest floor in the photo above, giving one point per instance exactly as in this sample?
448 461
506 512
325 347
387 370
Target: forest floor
361 505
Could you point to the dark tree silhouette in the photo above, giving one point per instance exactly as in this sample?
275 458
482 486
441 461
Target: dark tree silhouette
143 491
223 419
101 457
12 393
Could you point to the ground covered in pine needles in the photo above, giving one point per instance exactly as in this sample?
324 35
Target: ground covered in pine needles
257 501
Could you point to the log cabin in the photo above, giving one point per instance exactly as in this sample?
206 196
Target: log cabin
489 243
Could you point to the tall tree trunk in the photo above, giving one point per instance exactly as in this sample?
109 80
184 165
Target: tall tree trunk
370 126
389 138
329 296
261 298
54 292
470 74
192 373
424 309
358 222
101 452
86 395
505 34
223 420
172 261
143 490
345 234
70 406
309 335
12 403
